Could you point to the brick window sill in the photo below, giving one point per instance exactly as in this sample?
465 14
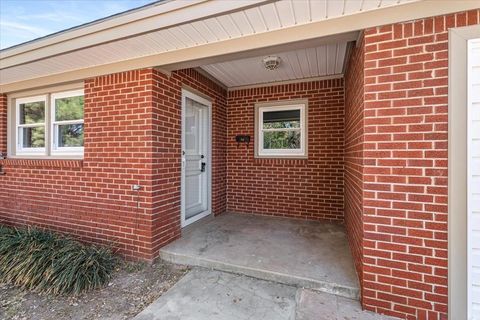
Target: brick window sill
41 163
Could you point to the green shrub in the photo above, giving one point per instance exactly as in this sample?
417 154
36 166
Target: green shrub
43 261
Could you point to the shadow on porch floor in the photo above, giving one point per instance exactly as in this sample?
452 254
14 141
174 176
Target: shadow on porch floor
307 254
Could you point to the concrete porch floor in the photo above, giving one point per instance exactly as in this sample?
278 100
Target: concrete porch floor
301 253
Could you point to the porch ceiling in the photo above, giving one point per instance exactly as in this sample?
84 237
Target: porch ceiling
321 61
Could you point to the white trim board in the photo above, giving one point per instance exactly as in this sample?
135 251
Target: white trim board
457 170
473 178
280 83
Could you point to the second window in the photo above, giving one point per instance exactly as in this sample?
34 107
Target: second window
281 130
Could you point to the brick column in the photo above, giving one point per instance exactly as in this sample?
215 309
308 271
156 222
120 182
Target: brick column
3 123
354 145
405 181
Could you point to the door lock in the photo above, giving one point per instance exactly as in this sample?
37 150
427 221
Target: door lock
203 167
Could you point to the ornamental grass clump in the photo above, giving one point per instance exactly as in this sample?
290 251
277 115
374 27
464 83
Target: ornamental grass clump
43 261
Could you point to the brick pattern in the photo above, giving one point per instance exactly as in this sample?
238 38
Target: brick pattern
132 136
405 180
43 163
308 189
3 123
93 199
354 130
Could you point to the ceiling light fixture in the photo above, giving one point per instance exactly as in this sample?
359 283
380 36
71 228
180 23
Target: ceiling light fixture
271 62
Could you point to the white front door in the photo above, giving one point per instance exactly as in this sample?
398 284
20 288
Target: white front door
473 178
196 158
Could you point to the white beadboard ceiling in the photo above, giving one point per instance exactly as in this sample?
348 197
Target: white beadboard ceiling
253 20
321 61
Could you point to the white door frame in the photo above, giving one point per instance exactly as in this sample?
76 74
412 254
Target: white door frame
457 171
189 93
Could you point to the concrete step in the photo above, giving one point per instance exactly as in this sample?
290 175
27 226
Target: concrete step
204 294
259 273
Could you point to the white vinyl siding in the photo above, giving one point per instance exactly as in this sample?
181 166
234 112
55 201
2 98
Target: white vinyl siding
322 61
473 176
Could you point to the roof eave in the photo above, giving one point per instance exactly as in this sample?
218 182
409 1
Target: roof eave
145 19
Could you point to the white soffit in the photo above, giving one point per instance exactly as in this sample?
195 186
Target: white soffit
254 19
326 60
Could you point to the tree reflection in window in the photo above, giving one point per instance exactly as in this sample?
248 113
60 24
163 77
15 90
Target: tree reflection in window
69 121
32 124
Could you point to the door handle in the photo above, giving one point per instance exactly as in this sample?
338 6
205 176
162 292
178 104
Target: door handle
202 169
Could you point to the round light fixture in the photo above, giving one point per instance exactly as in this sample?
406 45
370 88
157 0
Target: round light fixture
271 62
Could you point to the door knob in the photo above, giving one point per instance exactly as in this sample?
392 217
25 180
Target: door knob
203 167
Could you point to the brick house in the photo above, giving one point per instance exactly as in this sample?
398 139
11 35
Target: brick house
127 129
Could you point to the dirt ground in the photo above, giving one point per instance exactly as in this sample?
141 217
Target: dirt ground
132 288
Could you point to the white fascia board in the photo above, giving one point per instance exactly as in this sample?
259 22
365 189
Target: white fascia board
96 26
145 20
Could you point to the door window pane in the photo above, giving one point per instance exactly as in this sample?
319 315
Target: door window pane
33 137
70 135
32 112
70 108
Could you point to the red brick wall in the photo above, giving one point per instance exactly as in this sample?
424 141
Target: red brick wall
92 199
132 136
3 124
311 188
405 196
354 124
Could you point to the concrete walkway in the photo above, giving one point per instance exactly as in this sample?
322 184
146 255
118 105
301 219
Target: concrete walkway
205 294
301 253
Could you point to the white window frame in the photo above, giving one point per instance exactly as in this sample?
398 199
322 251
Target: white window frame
55 149
18 126
14 149
260 109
